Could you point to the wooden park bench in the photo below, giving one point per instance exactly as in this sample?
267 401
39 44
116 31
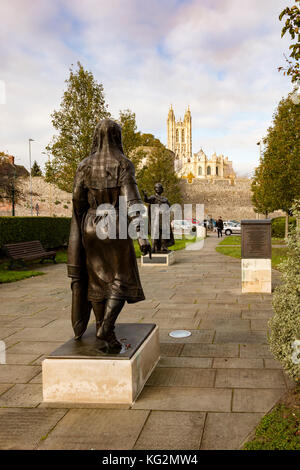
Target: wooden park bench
27 251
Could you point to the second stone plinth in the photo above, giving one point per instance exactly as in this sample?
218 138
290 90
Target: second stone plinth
158 259
257 275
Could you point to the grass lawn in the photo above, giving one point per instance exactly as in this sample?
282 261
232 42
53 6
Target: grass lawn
279 429
12 276
231 240
7 275
278 254
236 240
28 270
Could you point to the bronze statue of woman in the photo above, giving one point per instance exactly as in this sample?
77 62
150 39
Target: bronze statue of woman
104 272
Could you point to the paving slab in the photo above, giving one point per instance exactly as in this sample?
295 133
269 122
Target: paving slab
210 350
169 313
7 332
31 322
272 364
225 324
17 373
172 430
255 400
170 349
184 399
227 431
196 362
22 395
47 333
261 324
5 387
182 377
25 359
34 347
38 379
241 336
250 378
255 350
257 314
237 363
86 429
24 428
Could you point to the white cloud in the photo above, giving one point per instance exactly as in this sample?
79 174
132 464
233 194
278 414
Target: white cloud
220 57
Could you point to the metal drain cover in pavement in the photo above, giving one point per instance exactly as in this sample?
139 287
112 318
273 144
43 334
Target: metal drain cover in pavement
180 334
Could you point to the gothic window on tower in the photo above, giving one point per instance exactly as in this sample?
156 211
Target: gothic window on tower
182 135
217 170
208 171
177 135
199 171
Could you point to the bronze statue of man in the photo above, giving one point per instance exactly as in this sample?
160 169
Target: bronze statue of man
159 207
104 272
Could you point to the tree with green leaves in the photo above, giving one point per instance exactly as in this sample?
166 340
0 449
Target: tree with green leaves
153 162
261 198
82 106
130 136
279 169
292 26
158 167
35 169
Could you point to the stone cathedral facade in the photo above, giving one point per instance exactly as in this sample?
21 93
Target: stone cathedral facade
197 165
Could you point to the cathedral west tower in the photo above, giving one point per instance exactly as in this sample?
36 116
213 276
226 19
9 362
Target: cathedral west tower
179 141
179 137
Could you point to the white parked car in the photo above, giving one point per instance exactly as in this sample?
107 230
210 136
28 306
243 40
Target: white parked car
232 227
183 226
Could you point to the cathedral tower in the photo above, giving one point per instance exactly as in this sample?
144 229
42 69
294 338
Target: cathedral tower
179 136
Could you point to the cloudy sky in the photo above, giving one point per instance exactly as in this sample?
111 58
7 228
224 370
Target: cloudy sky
218 56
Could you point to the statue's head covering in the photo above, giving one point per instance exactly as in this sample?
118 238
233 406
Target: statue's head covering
107 138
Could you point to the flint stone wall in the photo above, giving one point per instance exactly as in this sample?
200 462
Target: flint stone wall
230 199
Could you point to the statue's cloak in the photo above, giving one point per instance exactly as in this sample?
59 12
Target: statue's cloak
102 268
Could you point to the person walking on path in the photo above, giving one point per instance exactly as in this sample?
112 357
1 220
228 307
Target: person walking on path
220 226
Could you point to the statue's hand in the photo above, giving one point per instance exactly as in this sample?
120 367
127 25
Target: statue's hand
145 246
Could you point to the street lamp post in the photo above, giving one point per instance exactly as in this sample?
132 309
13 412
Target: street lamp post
50 186
259 143
30 140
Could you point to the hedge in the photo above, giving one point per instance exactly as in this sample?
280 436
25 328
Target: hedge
278 226
52 232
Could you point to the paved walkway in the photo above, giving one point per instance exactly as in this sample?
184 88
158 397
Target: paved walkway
208 392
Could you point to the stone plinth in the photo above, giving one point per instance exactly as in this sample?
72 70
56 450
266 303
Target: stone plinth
201 231
256 275
158 259
79 372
